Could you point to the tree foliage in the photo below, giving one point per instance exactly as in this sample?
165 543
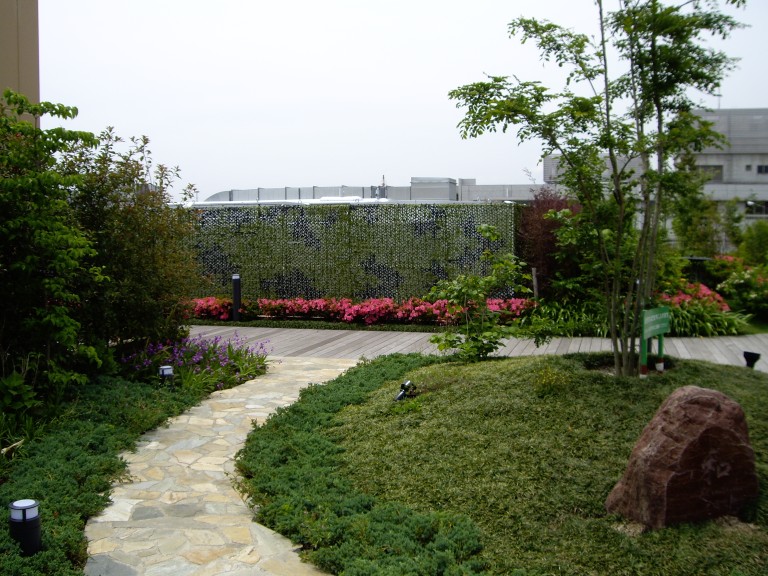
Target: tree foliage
45 255
616 135
536 238
754 245
93 253
144 243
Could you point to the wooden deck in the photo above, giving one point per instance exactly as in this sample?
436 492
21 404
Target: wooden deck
353 344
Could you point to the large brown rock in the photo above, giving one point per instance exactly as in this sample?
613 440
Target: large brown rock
692 462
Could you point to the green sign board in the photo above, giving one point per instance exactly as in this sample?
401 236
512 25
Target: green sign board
655 322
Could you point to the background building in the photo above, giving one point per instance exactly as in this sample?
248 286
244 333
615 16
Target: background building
740 169
737 171
19 48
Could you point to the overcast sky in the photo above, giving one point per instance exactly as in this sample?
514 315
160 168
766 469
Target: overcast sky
247 93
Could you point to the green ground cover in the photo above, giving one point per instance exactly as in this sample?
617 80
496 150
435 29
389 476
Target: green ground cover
516 454
67 456
71 462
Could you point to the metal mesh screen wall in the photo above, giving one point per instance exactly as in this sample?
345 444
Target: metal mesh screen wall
358 251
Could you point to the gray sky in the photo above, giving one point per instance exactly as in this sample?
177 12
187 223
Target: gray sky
241 93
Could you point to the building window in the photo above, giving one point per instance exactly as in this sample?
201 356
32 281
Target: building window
713 172
762 168
749 167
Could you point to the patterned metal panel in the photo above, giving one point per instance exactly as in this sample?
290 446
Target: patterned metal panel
351 250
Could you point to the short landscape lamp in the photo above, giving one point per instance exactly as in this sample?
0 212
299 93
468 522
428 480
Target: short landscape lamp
25 525
235 297
751 358
405 387
166 374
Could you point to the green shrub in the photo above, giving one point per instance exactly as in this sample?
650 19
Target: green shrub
754 245
550 319
199 363
45 256
144 244
479 331
722 266
746 290
695 310
699 319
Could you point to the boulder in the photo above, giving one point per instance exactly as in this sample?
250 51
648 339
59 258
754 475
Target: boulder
692 462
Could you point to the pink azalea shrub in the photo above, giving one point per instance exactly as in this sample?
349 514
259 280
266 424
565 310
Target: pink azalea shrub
695 293
371 311
510 308
695 310
212 308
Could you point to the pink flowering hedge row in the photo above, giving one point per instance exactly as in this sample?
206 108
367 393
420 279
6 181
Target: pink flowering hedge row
696 310
372 311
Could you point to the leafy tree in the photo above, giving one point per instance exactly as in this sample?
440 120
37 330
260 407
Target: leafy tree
617 136
732 219
93 253
537 239
698 226
144 243
44 257
754 245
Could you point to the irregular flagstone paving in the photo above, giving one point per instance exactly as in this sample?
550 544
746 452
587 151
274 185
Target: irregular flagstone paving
178 514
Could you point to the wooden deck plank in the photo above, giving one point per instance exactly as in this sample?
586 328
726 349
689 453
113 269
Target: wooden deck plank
369 344
300 342
562 347
574 345
391 343
350 345
675 347
405 342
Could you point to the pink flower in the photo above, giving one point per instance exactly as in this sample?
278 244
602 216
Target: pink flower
693 294
371 311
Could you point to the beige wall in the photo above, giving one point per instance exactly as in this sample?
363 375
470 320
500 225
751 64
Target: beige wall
19 48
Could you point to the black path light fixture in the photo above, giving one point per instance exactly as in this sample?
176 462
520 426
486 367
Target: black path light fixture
751 358
235 297
25 525
405 388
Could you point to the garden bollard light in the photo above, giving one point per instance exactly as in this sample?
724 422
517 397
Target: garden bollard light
751 358
166 374
235 297
25 525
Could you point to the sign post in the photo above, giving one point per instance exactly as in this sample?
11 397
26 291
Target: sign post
654 322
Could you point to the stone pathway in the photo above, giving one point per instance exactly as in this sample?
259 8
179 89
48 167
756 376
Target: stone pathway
179 514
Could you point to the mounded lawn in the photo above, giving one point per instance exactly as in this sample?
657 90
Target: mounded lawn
526 449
